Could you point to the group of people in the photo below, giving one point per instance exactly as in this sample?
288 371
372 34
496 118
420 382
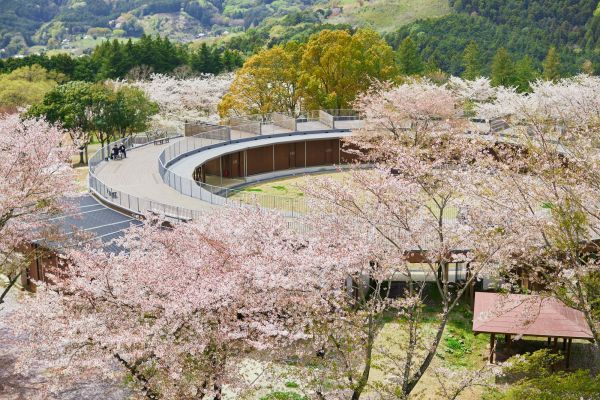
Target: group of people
118 150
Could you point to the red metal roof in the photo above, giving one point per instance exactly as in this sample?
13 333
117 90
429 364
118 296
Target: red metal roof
530 315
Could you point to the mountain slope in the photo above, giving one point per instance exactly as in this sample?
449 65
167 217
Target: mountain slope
523 27
50 22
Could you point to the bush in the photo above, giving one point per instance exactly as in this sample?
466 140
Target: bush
284 396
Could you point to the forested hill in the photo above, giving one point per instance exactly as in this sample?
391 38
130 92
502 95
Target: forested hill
59 23
522 27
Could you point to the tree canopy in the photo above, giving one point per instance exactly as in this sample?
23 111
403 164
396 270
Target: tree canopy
328 72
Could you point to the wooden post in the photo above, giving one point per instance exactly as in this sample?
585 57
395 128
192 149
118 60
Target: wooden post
555 345
492 342
221 169
549 341
568 356
564 344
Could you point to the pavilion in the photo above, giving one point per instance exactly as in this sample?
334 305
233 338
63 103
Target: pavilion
528 315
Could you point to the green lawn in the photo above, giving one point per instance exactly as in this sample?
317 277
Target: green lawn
287 195
459 350
283 194
388 15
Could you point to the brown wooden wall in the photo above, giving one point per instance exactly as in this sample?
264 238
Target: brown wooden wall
260 160
278 157
41 261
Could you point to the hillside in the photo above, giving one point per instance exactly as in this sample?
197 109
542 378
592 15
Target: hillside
522 27
70 25
386 15
60 23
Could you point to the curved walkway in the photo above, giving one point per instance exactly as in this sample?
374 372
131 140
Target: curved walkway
138 176
137 179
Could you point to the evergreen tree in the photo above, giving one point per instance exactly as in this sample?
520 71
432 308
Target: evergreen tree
145 51
525 72
111 60
503 69
216 61
432 64
228 61
472 62
409 58
551 65
201 60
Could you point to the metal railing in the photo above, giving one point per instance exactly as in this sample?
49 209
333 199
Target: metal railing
216 195
242 129
125 201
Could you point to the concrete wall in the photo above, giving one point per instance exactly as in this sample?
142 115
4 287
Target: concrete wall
285 121
245 125
326 119
195 128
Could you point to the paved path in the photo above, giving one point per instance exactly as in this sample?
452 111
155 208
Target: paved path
138 175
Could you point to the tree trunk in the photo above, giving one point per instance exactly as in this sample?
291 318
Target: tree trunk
11 283
364 379
141 379
408 388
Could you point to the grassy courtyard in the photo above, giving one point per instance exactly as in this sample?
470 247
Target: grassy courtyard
287 195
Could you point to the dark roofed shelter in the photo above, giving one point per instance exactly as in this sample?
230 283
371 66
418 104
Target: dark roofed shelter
528 315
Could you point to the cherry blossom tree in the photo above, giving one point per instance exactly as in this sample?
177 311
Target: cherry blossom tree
410 218
35 176
185 99
556 128
505 207
180 308
476 90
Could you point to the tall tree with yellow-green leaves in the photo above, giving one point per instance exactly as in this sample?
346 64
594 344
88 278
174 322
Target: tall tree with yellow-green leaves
326 73
268 82
337 66
551 66
503 68
472 62
25 86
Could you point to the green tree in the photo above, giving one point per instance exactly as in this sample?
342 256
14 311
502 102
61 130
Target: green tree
116 61
472 62
86 108
25 86
201 60
551 65
534 380
130 111
525 73
503 68
268 82
70 105
410 61
337 65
